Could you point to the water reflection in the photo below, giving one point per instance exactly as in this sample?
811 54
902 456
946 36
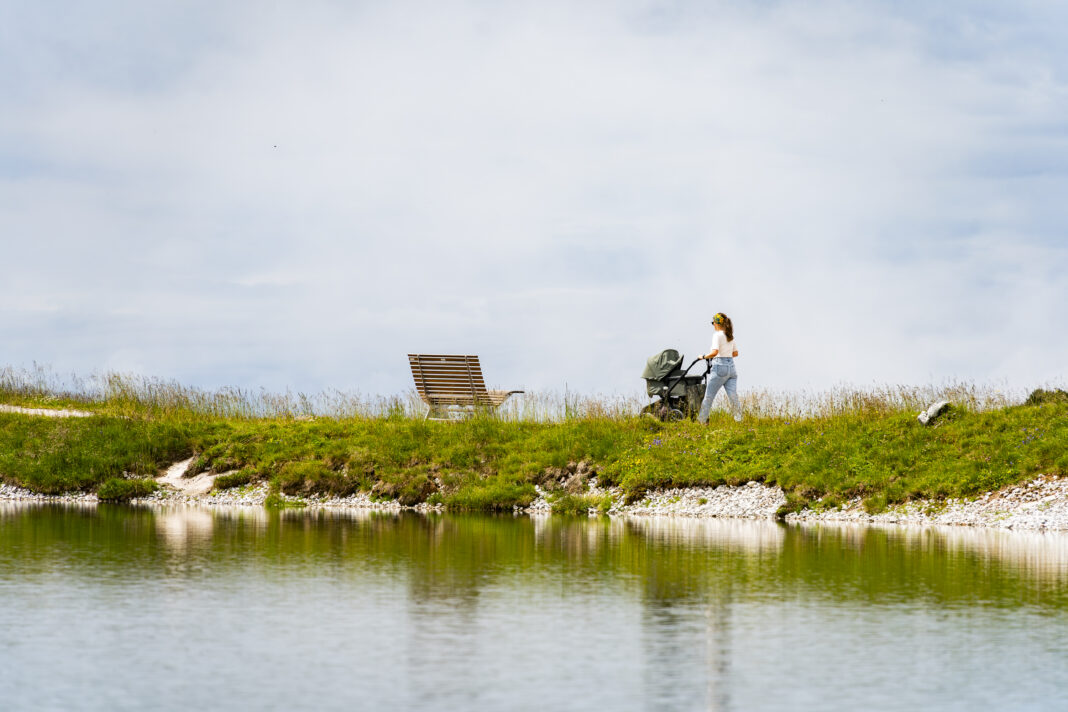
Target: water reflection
437 611
178 527
754 537
1036 551
454 558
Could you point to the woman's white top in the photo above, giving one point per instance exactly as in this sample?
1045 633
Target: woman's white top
719 341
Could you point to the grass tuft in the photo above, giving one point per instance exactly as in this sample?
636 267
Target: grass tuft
237 479
495 495
580 504
118 489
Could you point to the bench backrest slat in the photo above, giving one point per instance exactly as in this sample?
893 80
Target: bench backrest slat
456 379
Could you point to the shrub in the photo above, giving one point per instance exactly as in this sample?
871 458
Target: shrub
1041 396
876 504
408 488
795 502
311 477
237 479
573 504
118 489
492 495
580 505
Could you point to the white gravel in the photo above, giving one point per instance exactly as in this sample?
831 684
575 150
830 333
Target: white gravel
752 500
255 494
1041 504
249 495
11 493
1038 505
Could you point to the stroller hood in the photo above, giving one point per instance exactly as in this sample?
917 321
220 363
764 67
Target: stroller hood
659 366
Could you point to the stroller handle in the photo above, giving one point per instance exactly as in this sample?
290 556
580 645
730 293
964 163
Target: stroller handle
708 367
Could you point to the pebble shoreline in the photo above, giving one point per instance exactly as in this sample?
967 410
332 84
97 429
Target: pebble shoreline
1039 504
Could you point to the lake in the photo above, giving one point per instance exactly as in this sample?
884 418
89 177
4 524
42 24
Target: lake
113 607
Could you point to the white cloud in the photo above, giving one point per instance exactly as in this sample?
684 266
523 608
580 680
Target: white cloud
303 195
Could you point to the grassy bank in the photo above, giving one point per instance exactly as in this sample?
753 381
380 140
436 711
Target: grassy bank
822 451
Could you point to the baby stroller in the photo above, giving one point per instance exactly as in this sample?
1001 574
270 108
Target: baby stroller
678 394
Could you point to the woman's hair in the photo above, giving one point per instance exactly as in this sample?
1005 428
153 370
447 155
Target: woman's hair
725 321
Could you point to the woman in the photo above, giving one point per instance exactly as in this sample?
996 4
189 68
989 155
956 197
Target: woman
723 373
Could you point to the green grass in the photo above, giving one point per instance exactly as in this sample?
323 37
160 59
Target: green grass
118 489
78 454
884 458
492 494
579 504
237 479
822 450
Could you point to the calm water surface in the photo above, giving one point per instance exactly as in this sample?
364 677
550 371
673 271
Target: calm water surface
122 608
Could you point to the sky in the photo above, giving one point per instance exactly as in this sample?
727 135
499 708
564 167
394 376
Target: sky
294 195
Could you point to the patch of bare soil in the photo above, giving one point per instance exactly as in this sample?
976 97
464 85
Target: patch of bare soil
194 486
45 412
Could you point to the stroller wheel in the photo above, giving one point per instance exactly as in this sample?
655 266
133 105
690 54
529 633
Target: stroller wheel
663 412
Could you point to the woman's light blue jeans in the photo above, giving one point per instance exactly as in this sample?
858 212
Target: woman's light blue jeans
723 375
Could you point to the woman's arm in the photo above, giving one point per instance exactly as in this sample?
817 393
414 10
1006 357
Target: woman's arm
736 353
711 354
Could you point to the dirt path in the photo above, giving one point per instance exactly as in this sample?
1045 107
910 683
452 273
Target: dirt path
46 412
192 486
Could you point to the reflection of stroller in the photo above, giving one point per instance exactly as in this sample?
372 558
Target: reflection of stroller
679 394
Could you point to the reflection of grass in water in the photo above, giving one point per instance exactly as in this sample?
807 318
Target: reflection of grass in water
461 556
274 500
837 445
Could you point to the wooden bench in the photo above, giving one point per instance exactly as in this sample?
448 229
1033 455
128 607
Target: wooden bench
453 385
